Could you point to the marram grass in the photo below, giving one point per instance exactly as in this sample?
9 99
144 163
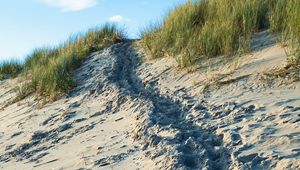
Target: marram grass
292 29
209 28
10 69
50 69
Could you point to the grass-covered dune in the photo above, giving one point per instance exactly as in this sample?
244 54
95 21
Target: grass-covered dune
48 70
10 69
207 28
195 31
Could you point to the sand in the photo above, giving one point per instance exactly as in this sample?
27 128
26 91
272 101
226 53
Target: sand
130 113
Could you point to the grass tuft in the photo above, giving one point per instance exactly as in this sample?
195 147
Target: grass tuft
23 91
10 69
204 29
50 69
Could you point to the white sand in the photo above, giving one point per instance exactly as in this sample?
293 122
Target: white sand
259 120
129 115
82 130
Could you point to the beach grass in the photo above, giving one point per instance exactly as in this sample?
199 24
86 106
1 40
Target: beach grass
50 69
291 30
10 69
204 29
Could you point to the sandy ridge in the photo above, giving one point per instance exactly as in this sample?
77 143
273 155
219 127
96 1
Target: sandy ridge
129 114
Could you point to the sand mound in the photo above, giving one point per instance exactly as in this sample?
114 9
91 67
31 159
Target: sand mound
129 114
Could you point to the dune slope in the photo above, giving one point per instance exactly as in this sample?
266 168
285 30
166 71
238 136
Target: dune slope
129 114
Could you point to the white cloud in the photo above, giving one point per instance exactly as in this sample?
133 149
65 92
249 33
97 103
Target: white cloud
71 5
118 18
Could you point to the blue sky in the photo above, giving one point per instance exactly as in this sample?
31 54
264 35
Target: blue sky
27 24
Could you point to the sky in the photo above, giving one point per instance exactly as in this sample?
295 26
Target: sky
29 24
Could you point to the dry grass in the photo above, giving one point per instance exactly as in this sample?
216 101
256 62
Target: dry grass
289 73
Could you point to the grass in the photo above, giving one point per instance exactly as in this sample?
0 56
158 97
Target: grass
292 29
285 18
10 69
204 29
194 32
49 70
23 91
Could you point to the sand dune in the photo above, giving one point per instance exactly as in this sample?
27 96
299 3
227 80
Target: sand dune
130 113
